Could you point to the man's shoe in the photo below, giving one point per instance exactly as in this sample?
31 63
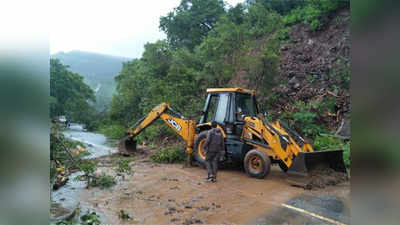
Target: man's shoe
213 180
208 178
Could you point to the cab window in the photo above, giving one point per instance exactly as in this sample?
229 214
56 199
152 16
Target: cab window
222 108
212 108
245 105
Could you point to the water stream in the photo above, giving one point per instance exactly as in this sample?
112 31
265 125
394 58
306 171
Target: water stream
66 198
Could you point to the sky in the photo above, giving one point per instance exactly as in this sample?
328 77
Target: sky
118 27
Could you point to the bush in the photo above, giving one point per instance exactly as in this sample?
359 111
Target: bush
314 13
333 143
115 131
303 119
167 155
59 145
90 219
103 181
123 165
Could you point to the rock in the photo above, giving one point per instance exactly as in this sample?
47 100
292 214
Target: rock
203 208
174 220
59 212
293 81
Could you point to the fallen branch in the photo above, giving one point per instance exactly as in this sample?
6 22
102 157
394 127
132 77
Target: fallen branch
333 94
340 127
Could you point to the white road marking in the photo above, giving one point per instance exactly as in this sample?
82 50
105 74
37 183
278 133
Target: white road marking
312 214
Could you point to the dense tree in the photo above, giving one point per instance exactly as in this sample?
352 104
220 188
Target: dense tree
282 7
69 95
191 21
209 47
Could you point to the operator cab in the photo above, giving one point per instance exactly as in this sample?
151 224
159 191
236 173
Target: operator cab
228 107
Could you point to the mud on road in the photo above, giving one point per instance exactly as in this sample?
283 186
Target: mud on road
170 194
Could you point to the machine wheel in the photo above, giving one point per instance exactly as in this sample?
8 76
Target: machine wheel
283 166
257 164
199 153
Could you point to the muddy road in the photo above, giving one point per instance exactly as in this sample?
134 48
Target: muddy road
171 194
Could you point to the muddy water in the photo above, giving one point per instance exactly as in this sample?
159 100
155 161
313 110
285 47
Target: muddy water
67 198
170 194
96 144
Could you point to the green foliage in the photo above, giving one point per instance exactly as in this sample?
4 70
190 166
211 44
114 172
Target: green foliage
169 155
332 143
282 7
59 147
123 165
191 21
115 131
89 167
103 181
310 78
260 21
65 222
98 71
208 46
347 154
69 95
303 119
264 68
283 33
314 13
90 218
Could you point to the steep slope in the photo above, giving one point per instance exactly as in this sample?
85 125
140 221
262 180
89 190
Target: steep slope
312 85
98 71
316 66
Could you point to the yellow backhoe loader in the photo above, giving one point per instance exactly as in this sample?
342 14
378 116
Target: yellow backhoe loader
249 139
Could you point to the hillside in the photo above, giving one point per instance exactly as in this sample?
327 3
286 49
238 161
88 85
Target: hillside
313 75
98 70
294 54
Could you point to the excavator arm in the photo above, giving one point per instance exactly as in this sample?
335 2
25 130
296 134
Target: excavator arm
183 127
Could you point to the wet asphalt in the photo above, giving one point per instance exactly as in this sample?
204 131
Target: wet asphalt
328 206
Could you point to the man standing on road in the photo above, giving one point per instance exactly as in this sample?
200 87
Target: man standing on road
214 147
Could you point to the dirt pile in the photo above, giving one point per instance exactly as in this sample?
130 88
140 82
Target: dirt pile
320 178
313 67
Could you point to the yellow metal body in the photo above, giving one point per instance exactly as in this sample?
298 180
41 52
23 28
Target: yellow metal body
183 127
255 129
255 132
240 90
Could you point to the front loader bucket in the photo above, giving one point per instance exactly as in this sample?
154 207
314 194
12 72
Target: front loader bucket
127 146
317 169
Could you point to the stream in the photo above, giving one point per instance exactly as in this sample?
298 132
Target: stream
66 199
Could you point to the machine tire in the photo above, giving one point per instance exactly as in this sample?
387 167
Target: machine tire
198 154
283 166
257 164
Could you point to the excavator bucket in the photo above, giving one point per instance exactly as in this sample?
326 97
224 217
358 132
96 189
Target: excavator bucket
317 169
127 146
